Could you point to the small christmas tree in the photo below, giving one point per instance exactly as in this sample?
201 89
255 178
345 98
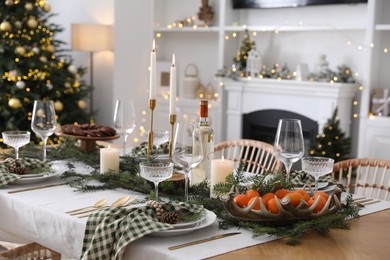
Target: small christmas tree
332 142
242 54
33 66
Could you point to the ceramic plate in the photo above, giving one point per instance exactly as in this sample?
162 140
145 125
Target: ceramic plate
190 224
56 169
209 220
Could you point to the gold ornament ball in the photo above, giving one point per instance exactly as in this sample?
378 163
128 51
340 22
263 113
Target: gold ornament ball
20 50
43 59
9 2
5 26
32 23
14 103
58 106
67 85
72 69
50 48
47 7
82 104
28 6
18 24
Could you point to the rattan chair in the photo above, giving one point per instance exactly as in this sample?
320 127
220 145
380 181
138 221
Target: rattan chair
367 177
30 251
258 156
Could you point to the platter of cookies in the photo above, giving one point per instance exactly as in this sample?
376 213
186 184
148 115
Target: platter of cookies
88 134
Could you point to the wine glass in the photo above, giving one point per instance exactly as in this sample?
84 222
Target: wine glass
156 172
317 167
16 139
289 146
43 121
187 149
124 120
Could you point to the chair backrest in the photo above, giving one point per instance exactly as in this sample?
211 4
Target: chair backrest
259 156
367 177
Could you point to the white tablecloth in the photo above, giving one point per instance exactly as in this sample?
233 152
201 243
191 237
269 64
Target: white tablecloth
38 216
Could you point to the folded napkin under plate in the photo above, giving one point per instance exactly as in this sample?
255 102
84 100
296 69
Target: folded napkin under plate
109 231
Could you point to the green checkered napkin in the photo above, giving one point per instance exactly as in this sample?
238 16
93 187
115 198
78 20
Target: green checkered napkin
30 164
109 231
300 178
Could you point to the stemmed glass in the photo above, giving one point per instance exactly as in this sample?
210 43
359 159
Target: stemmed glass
156 172
124 120
317 167
289 146
16 139
43 121
187 149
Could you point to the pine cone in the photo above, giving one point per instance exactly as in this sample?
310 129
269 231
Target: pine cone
19 170
170 218
157 207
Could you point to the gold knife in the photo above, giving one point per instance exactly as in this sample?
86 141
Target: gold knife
203 240
36 188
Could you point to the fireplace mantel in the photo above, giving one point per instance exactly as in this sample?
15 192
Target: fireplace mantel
315 100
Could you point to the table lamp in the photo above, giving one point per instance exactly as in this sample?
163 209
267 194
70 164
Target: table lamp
92 38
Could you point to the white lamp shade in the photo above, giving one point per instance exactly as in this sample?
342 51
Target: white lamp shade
92 37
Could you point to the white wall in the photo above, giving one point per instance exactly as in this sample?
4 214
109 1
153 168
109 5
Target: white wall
90 11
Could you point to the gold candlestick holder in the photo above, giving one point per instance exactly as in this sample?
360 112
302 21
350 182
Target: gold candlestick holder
172 121
152 106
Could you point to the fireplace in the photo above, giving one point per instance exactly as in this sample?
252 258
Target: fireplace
262 125
312 102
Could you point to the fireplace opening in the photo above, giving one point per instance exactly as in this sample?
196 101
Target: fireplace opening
262 125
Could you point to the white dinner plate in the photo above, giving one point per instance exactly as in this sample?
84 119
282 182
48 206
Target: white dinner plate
56 169
190 224
209 220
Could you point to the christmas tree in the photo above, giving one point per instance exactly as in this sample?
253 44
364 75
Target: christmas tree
242 54
332 142
34 66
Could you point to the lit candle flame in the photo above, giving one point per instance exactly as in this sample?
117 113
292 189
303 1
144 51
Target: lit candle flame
154 46
173 60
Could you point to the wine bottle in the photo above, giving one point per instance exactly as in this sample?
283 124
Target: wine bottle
202 171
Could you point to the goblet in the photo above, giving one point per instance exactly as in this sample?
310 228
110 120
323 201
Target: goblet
317 167
43 121
124 120
16 139
289 146
187 149
156 172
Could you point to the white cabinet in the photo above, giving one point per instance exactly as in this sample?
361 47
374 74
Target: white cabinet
374 132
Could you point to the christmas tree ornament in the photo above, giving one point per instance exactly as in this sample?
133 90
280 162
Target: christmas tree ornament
49 86
9 2
50 48
72 69
82 104
12 73
20 84
35 50
14 103
43 59
18 24
32 23
67 85
58 106
47 7
28 6
5 26
20 50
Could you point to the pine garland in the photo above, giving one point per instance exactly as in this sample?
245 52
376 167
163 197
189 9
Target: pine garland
199 194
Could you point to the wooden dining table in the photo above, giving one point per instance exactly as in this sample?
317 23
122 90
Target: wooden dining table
368 238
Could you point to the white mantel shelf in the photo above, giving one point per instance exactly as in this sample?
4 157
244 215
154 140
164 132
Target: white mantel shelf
315 100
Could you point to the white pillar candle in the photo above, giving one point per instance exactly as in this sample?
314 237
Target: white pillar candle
109 160
220 168
152 86
172 89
